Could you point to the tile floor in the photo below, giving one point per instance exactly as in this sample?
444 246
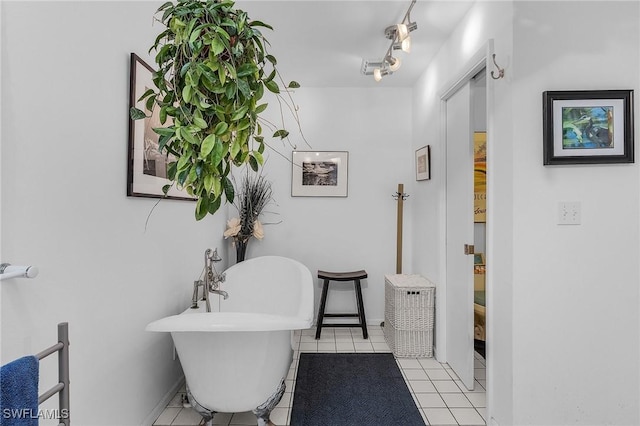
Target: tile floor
440 396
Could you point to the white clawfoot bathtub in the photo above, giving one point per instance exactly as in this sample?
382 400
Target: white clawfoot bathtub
236 357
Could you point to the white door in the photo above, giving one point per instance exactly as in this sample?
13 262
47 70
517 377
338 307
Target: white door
459 228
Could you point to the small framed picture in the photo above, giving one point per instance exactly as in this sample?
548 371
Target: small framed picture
146 165
588 127
319 174
423 163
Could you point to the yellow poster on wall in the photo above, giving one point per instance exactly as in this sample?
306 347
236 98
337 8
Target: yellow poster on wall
480 176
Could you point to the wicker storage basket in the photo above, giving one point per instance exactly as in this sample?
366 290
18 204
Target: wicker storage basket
408 315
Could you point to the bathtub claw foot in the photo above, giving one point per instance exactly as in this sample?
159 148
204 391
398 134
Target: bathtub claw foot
263 412
207 415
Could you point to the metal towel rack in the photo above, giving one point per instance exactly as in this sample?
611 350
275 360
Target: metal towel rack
62 347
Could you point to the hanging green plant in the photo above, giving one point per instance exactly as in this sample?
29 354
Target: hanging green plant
213 68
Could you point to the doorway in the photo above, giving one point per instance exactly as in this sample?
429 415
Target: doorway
479 125
464 114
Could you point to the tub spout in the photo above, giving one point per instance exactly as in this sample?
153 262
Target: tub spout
222 293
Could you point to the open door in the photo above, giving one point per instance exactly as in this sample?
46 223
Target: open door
459 234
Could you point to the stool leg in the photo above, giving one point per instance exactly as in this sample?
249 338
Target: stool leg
363 320
323 302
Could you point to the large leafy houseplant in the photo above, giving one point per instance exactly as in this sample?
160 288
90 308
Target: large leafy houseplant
213 68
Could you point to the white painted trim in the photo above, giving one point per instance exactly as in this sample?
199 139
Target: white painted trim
474 65
490 240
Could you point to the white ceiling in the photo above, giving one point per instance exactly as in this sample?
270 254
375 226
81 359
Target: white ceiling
321 43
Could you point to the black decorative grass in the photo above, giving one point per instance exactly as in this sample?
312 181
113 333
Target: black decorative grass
255 194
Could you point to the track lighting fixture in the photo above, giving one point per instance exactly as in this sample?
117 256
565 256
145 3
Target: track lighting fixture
400 40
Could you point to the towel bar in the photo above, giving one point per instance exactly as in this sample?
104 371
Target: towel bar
62 387
8 271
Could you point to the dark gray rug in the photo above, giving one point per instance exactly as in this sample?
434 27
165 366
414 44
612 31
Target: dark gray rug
352 389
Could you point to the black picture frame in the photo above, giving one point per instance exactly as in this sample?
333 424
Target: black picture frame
423 163
320 174
146 166
587 127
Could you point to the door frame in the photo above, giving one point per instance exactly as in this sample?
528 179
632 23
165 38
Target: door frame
480 60
474 65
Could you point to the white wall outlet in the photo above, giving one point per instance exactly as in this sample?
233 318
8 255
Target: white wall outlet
569 213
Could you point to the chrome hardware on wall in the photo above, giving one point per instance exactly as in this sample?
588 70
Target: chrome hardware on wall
500 70
8 270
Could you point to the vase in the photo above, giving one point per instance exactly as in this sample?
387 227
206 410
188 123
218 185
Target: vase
241 250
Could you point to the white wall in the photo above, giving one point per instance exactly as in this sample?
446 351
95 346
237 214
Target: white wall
484 21
563 301
359 231
65 90
575 289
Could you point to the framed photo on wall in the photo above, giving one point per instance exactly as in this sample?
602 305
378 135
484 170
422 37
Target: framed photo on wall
146 165
319 174
423 163
588 127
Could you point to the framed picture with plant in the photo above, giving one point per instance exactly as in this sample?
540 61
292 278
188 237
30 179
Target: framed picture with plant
319 174
146 164
587 127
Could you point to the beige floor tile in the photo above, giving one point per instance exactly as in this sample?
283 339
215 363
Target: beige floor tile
187 417
456 400
467 416
244 419
167 416
440 416
422 386
430 400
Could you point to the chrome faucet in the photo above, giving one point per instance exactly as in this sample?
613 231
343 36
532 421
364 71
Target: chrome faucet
222 293
212 280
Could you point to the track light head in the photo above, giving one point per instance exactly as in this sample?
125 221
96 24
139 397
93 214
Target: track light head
378 73
376 69
405 46
402 31
394 63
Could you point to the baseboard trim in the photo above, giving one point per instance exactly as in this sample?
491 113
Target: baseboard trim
155 413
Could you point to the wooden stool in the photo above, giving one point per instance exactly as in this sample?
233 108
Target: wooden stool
355 276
